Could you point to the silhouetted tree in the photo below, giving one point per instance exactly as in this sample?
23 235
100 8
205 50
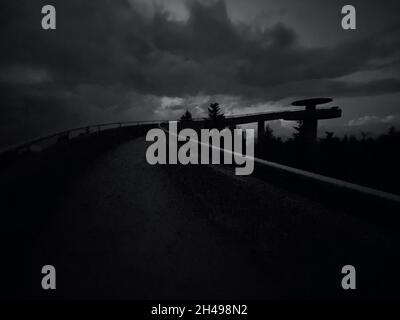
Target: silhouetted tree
268 139
298 135
269 134
364 136
329 135
392 131
187 116
216 116
366 160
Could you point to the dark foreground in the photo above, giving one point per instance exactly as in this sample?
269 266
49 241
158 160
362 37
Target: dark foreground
125 229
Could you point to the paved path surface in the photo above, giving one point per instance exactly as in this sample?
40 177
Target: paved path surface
126 229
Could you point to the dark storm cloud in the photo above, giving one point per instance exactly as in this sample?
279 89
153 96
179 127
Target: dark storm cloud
108 55
108 42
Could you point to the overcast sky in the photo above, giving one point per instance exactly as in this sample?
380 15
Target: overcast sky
112 60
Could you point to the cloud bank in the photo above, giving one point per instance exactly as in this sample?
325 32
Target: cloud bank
110 60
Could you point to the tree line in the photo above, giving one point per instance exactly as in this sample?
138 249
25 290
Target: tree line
365 160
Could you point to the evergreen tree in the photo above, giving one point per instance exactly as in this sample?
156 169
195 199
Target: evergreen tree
187 116
298 135
216 116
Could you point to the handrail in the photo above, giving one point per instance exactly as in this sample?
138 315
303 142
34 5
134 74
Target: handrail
30 142
331 181
253 114
375 193
99 128
266 113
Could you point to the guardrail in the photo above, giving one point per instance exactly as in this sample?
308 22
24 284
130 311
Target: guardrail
67 134
250 114
268 112
298 174
337 183
331 181
53 138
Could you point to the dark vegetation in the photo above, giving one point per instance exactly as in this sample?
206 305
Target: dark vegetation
216 116
187 116
368 161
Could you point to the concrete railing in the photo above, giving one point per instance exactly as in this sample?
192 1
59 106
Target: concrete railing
352 187
45 141
242 118
318 180
51 139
